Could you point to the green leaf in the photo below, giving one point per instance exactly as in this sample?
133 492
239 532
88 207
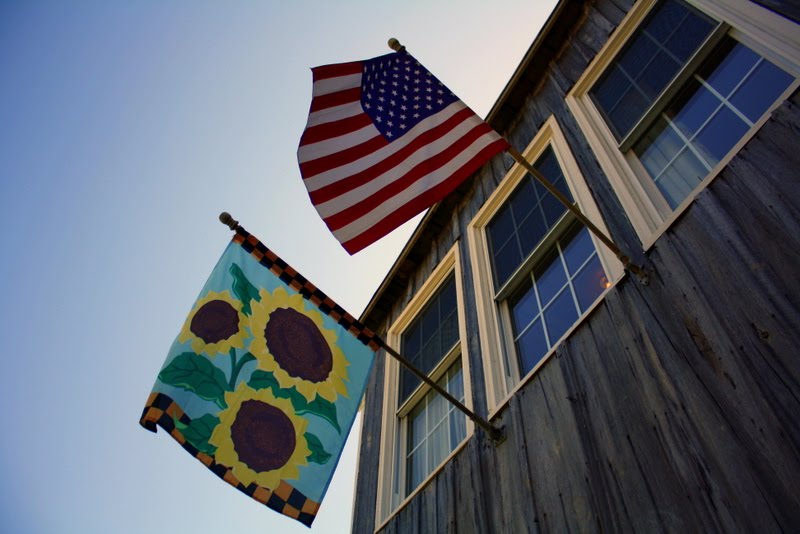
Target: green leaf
243 288
262 380
195 373
318 453
322 408
319 406
199 431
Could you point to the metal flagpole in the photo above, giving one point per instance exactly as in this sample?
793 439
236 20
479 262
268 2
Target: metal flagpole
395 45
495 434
624 259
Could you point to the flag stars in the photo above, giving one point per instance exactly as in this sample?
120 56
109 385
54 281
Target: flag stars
398 94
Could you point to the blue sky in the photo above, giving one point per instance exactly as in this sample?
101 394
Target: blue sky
125 128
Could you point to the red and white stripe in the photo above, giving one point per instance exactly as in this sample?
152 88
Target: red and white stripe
364 186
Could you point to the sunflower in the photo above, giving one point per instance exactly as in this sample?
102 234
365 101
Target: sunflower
292 342
215 325
260 437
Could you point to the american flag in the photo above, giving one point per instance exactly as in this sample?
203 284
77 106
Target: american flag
385 140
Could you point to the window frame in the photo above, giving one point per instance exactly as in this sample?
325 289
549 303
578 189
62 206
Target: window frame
768 34
500 365
394 417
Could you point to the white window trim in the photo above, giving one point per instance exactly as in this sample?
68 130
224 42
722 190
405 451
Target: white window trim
388 447
497 357
769 34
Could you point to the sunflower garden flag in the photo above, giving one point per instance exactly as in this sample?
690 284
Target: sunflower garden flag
264 380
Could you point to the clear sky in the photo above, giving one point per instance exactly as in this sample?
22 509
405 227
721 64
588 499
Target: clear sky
125 128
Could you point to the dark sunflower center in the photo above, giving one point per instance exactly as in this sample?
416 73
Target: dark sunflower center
263 436
214 321
298 346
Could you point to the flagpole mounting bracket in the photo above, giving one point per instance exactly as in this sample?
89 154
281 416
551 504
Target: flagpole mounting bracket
497 435
226 219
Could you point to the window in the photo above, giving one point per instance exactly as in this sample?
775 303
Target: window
433 426
554 294
421 430
674 93
537 269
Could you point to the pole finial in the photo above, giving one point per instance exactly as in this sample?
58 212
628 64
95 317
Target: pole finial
226 219
395 45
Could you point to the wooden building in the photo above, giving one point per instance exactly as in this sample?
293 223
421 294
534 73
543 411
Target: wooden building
672 406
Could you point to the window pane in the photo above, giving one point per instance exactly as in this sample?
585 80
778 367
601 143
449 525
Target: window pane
736 63
589 283
531 346
691 116
506 260
661 46
730 91
659 146
719 135
501 229
531 231
417 469
681 177
524 306
760 90
551 278
455 382
530 212
434 429
417 424
556 291
560 315
430 337
458 427
439 443
408 382
580 248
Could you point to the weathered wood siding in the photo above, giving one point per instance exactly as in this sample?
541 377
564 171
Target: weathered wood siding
675 406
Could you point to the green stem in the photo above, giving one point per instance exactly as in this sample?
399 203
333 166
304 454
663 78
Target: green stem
237 367
234 370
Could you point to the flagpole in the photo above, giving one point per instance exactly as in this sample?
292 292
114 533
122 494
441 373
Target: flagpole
495 434
395 45
623 258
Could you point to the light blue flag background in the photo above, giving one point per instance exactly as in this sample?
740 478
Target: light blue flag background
237 266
